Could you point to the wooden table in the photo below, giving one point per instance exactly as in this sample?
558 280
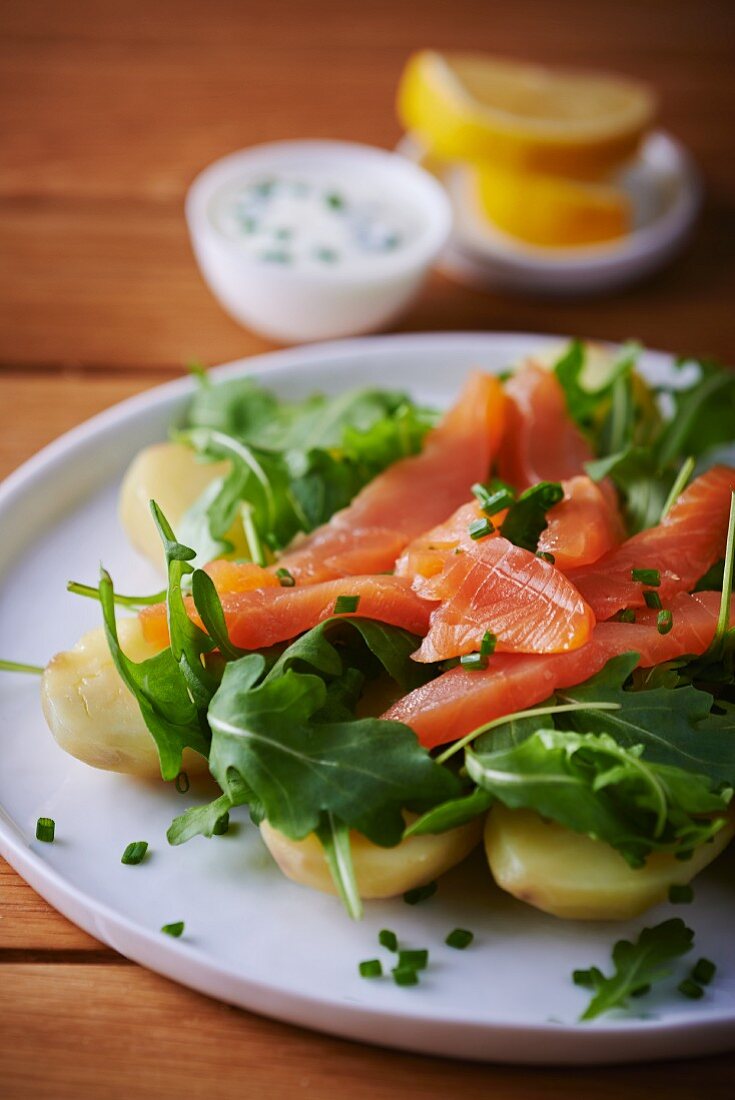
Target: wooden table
107 112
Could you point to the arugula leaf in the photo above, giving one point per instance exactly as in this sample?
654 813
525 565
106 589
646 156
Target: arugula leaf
591 784
526 517
637 965
636 472
451 814
364 772
161 691
199 820
674 727
334 837
188 642
702 416
584 401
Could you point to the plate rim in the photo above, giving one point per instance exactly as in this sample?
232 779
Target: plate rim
622 1040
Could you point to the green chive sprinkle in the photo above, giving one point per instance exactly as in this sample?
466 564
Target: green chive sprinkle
487 645
704 971
419 893
587 978
546 556
388 939
45 829
479 528
652 600
405 975
493 500
459 938
417 960
174 929
284 578
283 234
276 257
680 895
221 825
334 201
135 852
641 990
627 616
651 577
690 989
474 661
371 968
344 605
182 782
326 255
664 621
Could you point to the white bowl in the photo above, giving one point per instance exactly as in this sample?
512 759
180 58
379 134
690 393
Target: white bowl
665 191
296 304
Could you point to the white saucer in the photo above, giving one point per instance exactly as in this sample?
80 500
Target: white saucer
665 190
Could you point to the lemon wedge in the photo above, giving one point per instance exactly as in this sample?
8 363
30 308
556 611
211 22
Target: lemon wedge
550 211
478 108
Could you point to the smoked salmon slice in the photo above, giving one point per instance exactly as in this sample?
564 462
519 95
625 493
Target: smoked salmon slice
681 548
581 528
495 586
460 700
265 616
412 495
540 442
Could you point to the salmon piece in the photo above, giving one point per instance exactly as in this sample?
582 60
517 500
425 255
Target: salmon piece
410 496
265 616
541 442
682 548
583 526
460 700
230 576
495 586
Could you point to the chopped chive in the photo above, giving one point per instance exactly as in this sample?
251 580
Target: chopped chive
627 616
248 225
487 645
476 662
174 929
326 255
588 979
680 894
652 600
334 201
419 893
417 960
493 501
45 829
283 233
459 938
221 825
182 782
276 257
704 971
345 605
641 990
388 939
546 556
689 988
19 666
284 578
647 576
479 528
371 968
135 852
405 975
664 621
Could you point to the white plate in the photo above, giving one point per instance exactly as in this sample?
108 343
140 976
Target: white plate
253 938
665 190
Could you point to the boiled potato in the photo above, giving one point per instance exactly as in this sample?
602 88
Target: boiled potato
170 474
380 872
91 712
572 876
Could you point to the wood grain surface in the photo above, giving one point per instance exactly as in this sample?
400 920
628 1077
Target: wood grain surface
107 111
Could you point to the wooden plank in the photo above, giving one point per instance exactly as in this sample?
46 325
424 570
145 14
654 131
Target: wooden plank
112 1031
29 924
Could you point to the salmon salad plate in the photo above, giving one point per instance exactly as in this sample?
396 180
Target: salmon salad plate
410 662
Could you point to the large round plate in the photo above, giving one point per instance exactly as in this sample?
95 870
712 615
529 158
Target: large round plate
253 938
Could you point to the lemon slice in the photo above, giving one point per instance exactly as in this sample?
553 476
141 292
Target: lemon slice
478 108
551 211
